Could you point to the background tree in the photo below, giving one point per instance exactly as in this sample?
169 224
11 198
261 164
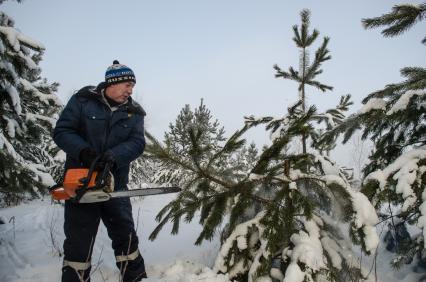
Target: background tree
28 110
189 125
394 119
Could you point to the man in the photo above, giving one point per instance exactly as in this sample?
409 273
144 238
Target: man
102 121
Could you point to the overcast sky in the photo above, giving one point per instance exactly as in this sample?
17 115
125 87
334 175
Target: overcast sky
219 50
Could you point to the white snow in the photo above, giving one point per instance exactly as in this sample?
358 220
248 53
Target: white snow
28 251
241 242
240 230
254 176
186 271
262 252
294 273
15 37
404 169
12 127
307 249
9 147
35 117
37 169
60 156
10 69
421 222
45 98
28 60
373 104
14 96
365 214
402 103
277 274
331 247
292 186
2 47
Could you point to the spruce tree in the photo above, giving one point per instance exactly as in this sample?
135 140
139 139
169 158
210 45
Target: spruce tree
28 111
394 119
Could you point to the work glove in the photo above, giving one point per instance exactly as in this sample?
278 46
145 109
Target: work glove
87 156
106 158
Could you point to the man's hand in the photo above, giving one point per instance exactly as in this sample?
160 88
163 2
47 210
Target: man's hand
87 156
106 158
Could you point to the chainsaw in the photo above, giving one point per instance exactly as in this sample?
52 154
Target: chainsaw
86 185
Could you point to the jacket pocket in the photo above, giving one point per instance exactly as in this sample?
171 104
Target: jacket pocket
122 131
95 127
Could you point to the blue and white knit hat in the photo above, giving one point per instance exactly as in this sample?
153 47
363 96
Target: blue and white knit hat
119 73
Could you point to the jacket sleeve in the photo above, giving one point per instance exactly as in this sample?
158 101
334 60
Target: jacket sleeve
132 148
66 133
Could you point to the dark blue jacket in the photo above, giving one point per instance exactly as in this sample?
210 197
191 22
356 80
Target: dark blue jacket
88 121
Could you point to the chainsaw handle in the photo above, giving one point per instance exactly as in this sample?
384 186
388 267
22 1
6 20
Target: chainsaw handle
100 180
85 180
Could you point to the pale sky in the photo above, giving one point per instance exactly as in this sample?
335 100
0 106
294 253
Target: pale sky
219 50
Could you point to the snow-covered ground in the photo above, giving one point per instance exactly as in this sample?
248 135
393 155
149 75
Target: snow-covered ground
29 246
30 241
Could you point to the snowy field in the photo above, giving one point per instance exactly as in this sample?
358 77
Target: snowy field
30 242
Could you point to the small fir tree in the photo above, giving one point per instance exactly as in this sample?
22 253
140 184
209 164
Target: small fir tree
285 232
28 110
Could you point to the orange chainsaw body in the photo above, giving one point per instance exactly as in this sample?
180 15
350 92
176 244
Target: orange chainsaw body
72 182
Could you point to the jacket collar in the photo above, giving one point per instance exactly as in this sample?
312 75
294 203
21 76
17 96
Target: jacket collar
93 92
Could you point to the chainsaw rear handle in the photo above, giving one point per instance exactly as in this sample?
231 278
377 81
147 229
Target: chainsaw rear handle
58 192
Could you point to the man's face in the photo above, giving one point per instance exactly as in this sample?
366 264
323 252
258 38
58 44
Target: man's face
119 92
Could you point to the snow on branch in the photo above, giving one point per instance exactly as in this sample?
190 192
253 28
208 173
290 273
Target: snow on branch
365 216
39 175
12 127
239 235
403 101
307 250
34 117
16 38
373 104
45 98
404 170
14 97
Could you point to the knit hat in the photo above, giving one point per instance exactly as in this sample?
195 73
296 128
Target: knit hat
118 73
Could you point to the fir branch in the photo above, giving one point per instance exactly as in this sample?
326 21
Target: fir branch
291 74
231 145
400 19
319 85
214 218
416 78
321 55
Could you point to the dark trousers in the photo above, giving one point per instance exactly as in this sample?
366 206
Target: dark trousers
80 227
